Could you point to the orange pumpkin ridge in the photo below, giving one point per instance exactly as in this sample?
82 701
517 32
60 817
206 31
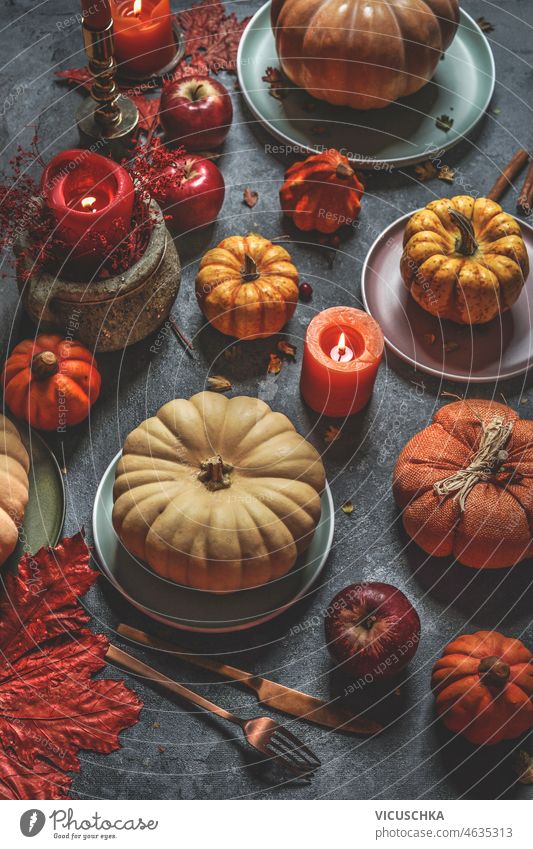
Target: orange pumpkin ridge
483 686
51 382
322 193
481 513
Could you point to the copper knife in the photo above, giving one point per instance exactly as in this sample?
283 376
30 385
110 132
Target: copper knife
269 693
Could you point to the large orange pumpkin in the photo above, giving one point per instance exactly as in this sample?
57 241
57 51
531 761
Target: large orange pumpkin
362 53
50 382
465 485
322 193
247 287
483 686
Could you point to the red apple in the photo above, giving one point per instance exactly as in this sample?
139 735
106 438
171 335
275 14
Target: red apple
372 631
196 111
191 191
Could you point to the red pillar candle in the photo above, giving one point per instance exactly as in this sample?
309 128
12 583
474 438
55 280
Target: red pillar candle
91 198
143 37
96 14
342 352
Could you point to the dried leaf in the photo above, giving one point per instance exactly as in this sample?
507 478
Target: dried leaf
287 349
449 347
425 171
274 364
484 25
217 383
211 35
523 766
444 122
277 81
232 353
446 173
250 197
51 706
347 508
332 434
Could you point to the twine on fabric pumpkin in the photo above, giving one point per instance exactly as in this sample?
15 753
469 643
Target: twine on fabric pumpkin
486 462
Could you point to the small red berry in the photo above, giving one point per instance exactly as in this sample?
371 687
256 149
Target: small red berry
306 292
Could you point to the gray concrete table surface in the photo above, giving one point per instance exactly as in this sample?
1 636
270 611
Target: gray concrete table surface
174 752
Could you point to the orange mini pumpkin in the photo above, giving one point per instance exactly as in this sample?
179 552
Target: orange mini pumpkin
465 485
483 686
322 193
247 287
51 382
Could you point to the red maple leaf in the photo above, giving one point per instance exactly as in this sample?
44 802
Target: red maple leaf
50 706
211 35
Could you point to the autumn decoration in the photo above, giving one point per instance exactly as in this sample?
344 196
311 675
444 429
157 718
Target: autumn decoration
51 382
464 259
322 193
247 287
217 463
364 54
51 706
14 467
483 686
465 485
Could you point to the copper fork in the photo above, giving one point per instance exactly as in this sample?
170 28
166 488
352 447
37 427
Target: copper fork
272 740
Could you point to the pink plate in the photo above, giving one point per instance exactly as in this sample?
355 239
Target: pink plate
483 354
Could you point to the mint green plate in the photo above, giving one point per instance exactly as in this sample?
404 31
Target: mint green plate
198 610
402 133
45 513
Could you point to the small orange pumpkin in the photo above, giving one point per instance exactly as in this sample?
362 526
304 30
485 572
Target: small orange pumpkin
51 382
322 193
465 485
483 686
247 287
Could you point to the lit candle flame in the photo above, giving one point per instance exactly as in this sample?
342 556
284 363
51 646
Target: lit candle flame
342 344
88 202
137 7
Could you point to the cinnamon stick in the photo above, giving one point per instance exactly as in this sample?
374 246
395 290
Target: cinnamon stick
508 174
525 198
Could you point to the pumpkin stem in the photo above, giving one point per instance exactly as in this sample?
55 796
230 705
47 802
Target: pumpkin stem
467 244
484 464
44 365
343 171
249 271
215 473
494 671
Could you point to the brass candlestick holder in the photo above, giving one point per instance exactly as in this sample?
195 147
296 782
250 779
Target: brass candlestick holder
106 116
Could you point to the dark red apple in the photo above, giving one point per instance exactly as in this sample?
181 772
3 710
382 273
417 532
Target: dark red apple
372 631
191 192
196 112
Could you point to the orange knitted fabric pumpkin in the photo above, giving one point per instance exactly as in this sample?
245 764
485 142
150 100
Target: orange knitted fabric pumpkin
50 382
483 686
322 193
465 485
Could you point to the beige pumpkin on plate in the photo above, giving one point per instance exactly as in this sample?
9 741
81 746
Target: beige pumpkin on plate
218 494
14 467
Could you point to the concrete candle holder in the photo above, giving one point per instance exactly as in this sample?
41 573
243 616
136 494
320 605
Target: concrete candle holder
110 314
